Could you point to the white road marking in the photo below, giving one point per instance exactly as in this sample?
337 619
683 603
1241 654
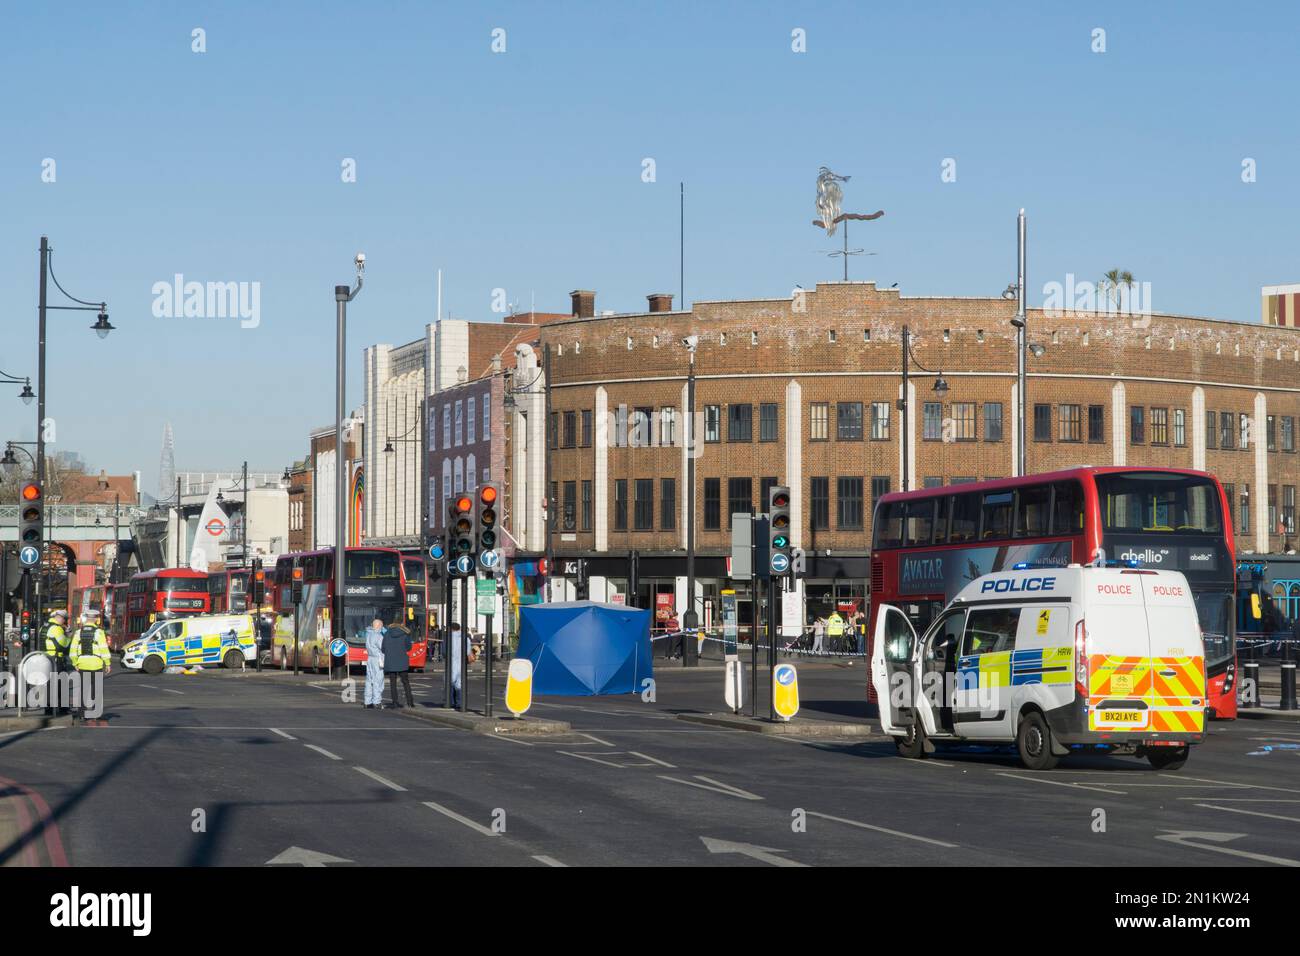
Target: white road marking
868 826
717 787
1243 799
384 780
645 761
1242 786
764 854
459 819
595 739
549 861
168 690
276 730
1184 838
1062 783
510 738
1249 813
149 686
322 750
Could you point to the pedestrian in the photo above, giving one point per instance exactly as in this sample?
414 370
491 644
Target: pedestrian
397 648
835 626
860 628
90 654
453 648
375 664
819 635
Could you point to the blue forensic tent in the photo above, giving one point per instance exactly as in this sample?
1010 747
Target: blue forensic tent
584 648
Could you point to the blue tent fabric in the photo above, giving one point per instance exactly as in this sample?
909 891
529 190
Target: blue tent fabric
584 648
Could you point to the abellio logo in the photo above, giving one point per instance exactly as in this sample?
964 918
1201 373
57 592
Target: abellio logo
1149 556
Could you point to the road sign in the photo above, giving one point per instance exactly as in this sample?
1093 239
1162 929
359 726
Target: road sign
780 562
485 589
785 691
436 551
216 527
490 559
519 686
339 647
29 556
464 564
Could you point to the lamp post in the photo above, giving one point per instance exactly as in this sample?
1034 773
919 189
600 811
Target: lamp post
690 619
940 388
1022 338
342 296
26 394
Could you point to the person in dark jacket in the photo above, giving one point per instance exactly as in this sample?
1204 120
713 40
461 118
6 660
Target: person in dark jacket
397 645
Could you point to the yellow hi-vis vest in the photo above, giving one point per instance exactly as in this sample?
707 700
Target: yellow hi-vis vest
57 641
90 650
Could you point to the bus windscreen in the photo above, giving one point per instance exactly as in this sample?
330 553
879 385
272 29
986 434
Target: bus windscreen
1159 503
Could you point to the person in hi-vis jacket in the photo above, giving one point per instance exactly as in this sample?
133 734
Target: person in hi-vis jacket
375 663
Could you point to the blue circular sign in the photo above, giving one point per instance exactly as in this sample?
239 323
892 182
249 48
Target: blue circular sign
464 564
436 552
780 562
490 559
339 647
785 675
29 556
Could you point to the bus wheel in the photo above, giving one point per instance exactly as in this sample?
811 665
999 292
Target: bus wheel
1034 742
913 743
233 660
153 665
1168 758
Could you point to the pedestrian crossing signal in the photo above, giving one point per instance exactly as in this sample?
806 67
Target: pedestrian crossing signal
778 540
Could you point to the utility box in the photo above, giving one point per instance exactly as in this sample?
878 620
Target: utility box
748 546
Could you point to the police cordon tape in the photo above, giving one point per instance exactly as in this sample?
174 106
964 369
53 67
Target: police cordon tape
785 648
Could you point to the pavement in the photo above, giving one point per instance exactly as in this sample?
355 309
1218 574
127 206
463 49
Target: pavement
222 769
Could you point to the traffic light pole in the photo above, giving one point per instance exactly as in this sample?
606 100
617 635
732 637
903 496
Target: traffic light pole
487 670
755 615
447 584
464 644
773 585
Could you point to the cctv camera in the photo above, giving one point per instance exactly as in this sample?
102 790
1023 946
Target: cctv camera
361 261
691 341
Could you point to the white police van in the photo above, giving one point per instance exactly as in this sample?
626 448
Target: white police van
208 639
1052 659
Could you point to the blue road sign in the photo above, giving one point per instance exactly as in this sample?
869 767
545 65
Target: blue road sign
780 562
29 556
490 559
464 564
436 552
339 647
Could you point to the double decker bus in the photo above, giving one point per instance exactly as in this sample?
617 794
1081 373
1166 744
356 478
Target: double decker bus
415 590
91 602
929 544
228 590
161 594
373 583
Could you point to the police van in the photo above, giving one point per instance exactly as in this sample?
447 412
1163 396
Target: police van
217 639
1052 660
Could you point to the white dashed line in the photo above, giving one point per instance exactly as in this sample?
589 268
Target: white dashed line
276 730
322 750
1063 783
386 782
459 819
868 826
549 861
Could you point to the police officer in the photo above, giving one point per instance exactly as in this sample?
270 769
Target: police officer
90 652
57 642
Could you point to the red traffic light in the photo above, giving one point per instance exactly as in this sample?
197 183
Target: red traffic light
31 491
297 574
464 503
488 495
780 500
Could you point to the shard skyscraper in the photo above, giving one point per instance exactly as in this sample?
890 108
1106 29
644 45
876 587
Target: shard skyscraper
167 465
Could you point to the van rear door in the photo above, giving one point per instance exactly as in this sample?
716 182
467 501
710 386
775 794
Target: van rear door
1176 693
1118 646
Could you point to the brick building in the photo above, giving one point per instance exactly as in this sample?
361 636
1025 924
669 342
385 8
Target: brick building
804 391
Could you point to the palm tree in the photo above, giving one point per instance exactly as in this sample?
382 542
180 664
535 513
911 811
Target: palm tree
1113 280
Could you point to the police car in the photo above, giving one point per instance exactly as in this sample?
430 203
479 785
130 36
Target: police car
217 639
1052 660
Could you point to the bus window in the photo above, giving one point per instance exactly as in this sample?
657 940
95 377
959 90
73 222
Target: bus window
1067 508
1033 511
941 506
920 523
997 515
965 518
890 532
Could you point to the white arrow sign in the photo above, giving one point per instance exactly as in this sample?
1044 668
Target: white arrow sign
764 854
1186 838
297 856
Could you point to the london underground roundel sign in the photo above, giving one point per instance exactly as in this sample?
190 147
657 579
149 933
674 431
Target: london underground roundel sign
215 527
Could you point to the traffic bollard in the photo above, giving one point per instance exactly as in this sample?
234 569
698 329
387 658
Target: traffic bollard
1251 683
1288 686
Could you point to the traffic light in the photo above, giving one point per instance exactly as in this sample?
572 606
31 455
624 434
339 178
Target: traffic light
779 548
487 518
296 584
257 587
31 524
460 527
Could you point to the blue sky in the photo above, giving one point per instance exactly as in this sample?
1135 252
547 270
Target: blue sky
523 171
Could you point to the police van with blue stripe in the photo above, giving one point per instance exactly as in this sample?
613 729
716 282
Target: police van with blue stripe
1051 660
226 640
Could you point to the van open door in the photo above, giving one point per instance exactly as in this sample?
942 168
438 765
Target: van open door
892 670
1176 692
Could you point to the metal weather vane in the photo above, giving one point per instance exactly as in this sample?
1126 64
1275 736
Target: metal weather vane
830 197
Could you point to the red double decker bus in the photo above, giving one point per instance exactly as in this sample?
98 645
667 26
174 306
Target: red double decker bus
929 544
228 590
160 594
415 590
374 588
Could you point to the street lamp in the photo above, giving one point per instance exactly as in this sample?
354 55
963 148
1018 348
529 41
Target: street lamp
342 296
690 620
26 394
940 388
9 462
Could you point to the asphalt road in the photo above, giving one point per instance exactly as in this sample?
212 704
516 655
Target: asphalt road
223 769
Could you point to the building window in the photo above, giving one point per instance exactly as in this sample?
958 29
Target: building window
1136 424
1288 509
963 420
586 428
620 504
469 421
668 426
848 421
486 423
1071 422
993 421
570 437
819 499
880 421
620 426
849 502
740 497
1180 427
712 504
643 516
553 430
570 506
460 424
641 418
667 503
586 506
879 486
1288 433
767 423
712 423
1211 429
932 481
1225 431
1243 429
1272 509
932 421
740 423
1245 508
553 502
818 418
446 426
1270 432
1042 423
1159 426
1096 423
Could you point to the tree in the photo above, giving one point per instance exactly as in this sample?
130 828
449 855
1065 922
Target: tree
1113 280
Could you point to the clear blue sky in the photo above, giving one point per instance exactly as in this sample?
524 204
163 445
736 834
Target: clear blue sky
522 171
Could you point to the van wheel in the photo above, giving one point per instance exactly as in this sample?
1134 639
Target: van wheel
912 744
153 665
1168 758
233 660
1034 741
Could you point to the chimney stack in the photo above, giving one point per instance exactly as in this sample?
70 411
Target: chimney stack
660 301
584 303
